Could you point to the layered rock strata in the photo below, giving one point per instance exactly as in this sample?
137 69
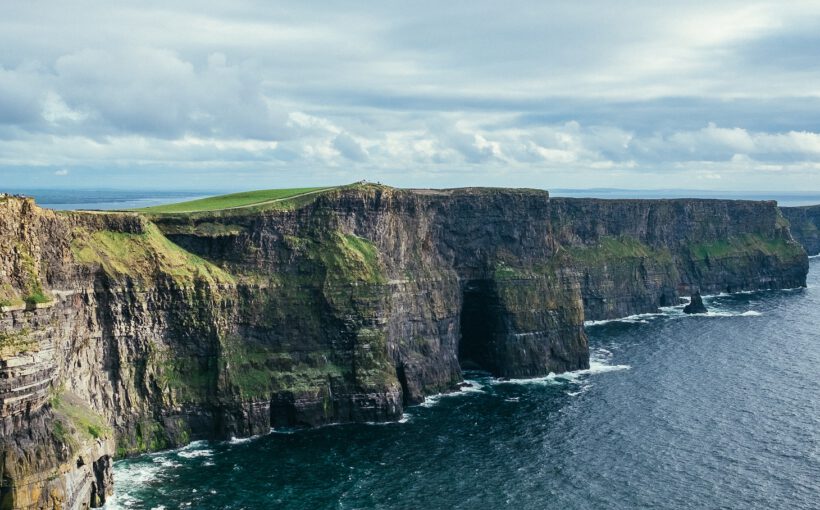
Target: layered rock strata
805 226
121 333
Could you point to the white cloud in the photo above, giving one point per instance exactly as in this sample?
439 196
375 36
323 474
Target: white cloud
583 92
61 172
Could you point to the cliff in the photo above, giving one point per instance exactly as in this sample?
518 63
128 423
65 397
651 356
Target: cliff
805 226
123 333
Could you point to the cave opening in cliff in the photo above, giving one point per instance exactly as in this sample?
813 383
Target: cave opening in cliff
479 327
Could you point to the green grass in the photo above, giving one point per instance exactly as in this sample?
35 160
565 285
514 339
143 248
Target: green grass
73 416
614 248
39 297
349 258
502 271
234 200
15 342
142 255
748 243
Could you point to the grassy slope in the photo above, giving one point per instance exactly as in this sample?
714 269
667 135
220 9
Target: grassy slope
142 255
244 199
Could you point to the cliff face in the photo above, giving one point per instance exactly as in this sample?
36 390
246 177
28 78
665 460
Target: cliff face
805 226
121 334
634 256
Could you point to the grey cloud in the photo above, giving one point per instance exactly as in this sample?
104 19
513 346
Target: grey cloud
21 96
443 89
156 92
349 147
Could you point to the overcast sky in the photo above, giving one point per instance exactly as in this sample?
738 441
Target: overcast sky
232 95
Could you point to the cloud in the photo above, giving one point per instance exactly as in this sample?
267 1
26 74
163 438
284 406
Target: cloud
349 148
61 172
460 93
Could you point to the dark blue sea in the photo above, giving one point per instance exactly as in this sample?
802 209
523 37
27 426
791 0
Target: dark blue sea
716 411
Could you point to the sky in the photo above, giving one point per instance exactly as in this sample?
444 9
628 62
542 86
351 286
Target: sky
239 94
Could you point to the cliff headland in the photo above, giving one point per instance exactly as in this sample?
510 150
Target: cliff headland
129 332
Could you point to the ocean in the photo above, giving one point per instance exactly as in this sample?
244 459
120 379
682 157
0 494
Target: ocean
715 411
73 199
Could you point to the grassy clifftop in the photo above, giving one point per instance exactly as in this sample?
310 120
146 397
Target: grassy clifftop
269 197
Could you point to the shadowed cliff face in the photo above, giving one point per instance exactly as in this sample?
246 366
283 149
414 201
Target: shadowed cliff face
634 256
805 226
120 335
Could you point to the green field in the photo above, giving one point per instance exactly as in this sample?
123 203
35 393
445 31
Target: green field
233 201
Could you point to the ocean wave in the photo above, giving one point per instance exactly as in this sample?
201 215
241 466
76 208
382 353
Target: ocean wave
404 419
472 387
583 389
596 366
676 312
727 313
640 318
134 475
242 440
195 450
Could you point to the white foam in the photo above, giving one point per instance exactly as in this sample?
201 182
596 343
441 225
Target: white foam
193 454
243 440
724 313
583 389
166 463
472 387
595 367
640 318
130 476
404 419
135 474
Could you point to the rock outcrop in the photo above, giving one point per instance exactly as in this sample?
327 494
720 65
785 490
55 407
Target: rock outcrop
695 304
805 226
121 333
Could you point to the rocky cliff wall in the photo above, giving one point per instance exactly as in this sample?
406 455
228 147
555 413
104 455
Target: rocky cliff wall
805 226
634 256
120 335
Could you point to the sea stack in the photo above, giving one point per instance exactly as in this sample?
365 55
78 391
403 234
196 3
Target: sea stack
695 304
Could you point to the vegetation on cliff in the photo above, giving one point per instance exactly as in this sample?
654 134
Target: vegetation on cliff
31 290
74 421
744 245
142 255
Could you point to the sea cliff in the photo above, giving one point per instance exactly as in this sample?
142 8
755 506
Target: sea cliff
805 226
122 333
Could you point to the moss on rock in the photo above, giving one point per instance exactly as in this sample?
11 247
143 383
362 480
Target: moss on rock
143 255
